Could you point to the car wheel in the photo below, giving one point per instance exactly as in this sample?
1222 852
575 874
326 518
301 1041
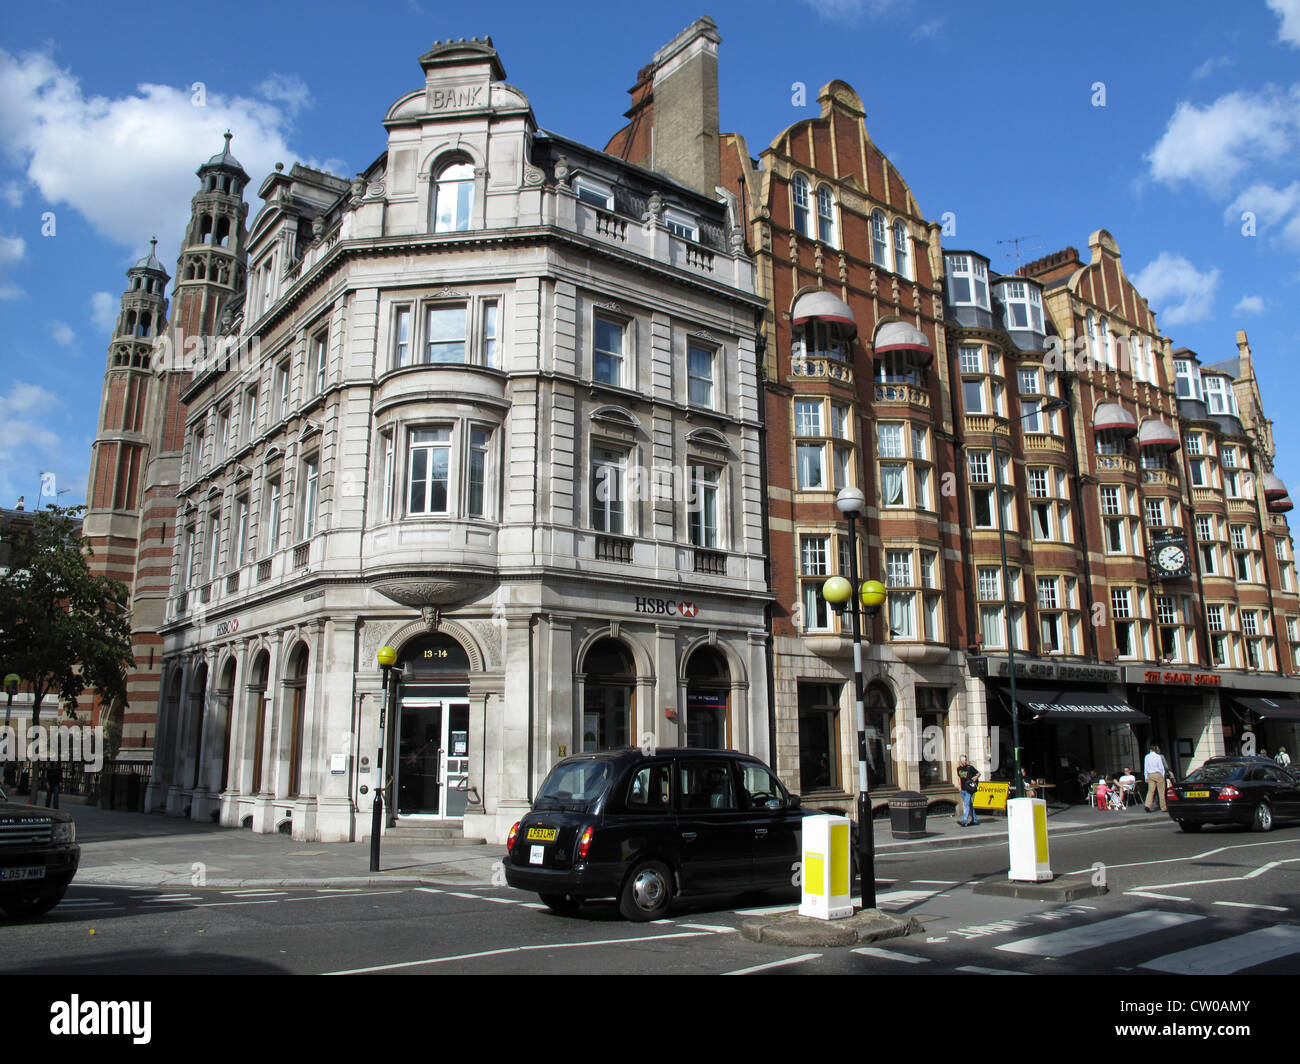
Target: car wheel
561 903
24 905
1263 817
1188 826
647 892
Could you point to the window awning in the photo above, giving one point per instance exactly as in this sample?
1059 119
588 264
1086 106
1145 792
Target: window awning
822 306
1111 417
900 336
1270 708
1087 707
1155 433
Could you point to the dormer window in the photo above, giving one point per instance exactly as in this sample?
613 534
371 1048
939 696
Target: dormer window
968 281
1187 379
453 198
1023 305
1218 396
594 192
681 224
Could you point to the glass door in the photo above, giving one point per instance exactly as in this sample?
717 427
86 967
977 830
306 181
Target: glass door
419 760
455 758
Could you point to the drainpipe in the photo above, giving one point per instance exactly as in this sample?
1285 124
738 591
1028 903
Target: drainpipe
769 643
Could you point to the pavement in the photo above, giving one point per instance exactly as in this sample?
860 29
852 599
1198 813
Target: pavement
151 849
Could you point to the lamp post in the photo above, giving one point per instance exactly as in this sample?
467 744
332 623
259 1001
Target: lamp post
387 657
840 594
1018 776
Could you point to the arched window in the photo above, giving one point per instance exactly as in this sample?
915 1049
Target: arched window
223 232
825 215
453 198
257 695
226 709
198 709
799 192
609 697
902 249
880 240
296 686
708 693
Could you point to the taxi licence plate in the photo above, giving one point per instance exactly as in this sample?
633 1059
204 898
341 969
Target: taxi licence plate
1196 794
11 874
542 834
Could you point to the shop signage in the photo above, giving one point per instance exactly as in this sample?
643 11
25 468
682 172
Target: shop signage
227 627
1066 673
665 607
706 699
1191 679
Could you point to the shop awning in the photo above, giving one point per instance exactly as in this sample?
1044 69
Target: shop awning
1270 708
1087 707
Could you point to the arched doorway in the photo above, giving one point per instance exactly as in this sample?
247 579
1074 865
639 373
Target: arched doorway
198 711
257 703
296 690
431 769
708 699
225 710
608 696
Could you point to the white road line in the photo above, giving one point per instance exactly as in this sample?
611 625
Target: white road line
327 897
775 964
712 927
256 893
1178 860
938 882
165 897
901 899
890 955
531 905
986 971
1162 897
167 901
220 904
1249 905
768 911
1232 954
337 890
499 901
458 894
430 890
1222 879
1103 932
517 949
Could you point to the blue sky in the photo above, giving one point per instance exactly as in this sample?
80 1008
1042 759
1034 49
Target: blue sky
990 112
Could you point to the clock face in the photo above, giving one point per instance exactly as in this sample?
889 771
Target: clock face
1171 559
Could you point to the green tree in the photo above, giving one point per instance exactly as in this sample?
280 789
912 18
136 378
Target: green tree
62 628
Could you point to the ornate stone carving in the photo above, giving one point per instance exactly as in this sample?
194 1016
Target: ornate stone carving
447 292
431 592
562 170
432 616
358 190
489 634
533 176
375 190
617 308
318 226
736 240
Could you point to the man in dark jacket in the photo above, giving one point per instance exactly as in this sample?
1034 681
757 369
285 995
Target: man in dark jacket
969 776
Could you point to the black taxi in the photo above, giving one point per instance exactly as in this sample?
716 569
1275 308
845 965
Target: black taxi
646 828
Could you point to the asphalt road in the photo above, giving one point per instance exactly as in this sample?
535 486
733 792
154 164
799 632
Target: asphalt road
1221 902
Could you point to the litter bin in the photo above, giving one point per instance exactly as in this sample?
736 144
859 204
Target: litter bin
907 815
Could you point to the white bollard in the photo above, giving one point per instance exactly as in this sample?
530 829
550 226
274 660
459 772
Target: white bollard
1027 838
827 868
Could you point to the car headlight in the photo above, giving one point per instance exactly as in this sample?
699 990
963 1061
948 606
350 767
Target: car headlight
65 832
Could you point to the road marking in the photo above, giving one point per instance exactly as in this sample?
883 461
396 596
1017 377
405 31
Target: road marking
713 927
220 904
166 897
1221 879
1249 905
986 971
901 899
1190 857
768 911
458 894
531 905
181 898
1151 894
1103 932
890 955
1232 954
337 890
359 894
256 893
938 882
517 949
775 964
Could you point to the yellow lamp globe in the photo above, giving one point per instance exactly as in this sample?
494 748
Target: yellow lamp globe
837 591
872 593
387 656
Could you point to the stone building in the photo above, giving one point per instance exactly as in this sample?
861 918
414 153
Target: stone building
493 402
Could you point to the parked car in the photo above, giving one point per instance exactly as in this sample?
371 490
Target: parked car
646 829
39 856
1250 791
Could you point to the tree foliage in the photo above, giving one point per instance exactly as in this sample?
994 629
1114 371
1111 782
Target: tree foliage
62 628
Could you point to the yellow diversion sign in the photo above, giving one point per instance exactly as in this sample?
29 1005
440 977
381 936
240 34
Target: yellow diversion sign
991 796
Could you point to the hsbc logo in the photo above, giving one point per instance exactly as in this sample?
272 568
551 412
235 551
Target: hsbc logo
665 607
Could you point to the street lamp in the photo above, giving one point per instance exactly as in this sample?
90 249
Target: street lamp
839 593
387 657
1018 775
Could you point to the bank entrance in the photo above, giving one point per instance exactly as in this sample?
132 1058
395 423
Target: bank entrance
431 766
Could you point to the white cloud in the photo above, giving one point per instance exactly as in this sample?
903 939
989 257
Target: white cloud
1209 67
1177 289
849 10
12 249
1289 12
1211 146
127 163
103 311
1249 305
12 192
26 444
62 333
288 89
1274 209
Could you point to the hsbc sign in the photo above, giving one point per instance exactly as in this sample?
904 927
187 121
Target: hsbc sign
665 607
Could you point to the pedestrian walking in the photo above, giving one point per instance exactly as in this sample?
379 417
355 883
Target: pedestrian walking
1283 758
53 780
1158 777
969 776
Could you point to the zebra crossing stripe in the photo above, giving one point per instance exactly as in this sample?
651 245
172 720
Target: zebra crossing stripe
986 971
1102 933
890 955
1231 954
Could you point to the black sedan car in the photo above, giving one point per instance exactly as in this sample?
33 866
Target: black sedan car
1248 791
38 857
648 828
